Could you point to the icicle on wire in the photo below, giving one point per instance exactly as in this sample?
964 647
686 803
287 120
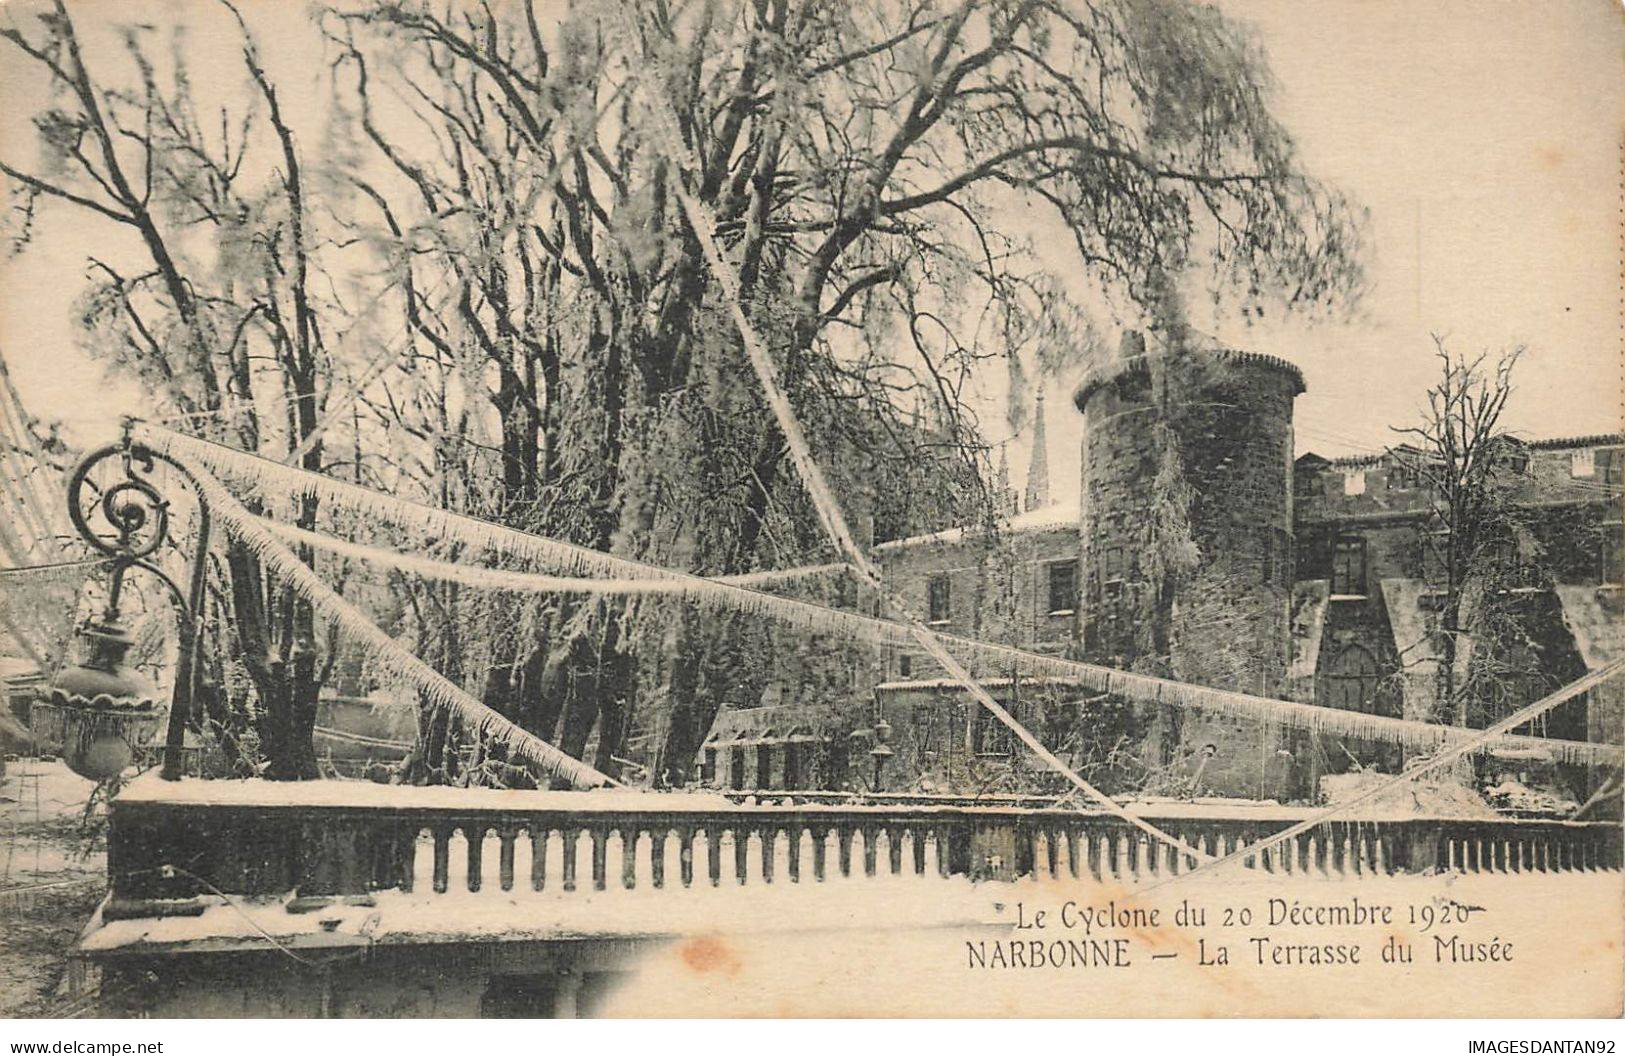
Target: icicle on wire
517 581
512 580
271 480
435 688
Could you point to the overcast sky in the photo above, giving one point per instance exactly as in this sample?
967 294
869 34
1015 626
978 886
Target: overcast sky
1486 138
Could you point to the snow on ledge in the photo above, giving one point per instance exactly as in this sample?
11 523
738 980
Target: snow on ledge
255 792
363 795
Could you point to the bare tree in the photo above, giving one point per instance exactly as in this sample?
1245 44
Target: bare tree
1460 453
229 335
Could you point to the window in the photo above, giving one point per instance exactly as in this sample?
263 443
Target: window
1111 572
989 736
927 729
938 601
1348 566
905 666
1063 587
1583 463
1613 465
708 767
1305 484
1354 482
1351 681
764 766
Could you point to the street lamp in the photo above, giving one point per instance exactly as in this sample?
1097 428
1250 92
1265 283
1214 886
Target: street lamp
881 752
100 709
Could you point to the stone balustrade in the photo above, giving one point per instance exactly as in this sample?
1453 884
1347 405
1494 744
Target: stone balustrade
171 842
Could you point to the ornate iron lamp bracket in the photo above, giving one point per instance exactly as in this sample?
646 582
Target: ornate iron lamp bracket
137 520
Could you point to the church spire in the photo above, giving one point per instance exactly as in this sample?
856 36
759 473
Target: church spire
1004 494
1038 473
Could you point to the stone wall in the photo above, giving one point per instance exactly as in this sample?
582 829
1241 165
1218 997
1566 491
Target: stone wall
998 589
1226 622
449 980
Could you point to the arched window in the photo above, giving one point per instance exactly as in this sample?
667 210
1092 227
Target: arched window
1351 681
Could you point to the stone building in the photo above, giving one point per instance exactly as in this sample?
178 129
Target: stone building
1299 578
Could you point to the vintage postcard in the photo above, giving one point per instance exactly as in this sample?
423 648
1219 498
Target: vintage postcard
793 508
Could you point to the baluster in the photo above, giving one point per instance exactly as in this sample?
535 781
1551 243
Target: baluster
600 856
894 849
506 835
1092 853
820 850
916 838
570 835
685 855
843 845
769 834
538 855
657 857
942 841
713 854
442 858
793 850
869 839
408 847
630 837
741 838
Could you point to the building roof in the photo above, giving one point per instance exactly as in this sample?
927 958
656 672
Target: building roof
774 724
1562 443
1047 518
1121 367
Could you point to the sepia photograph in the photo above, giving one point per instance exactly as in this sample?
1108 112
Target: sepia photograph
698 509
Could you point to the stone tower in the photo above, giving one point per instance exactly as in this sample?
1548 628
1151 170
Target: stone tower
1037 496
1186 535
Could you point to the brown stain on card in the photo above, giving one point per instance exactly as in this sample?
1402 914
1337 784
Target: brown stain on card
705 954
